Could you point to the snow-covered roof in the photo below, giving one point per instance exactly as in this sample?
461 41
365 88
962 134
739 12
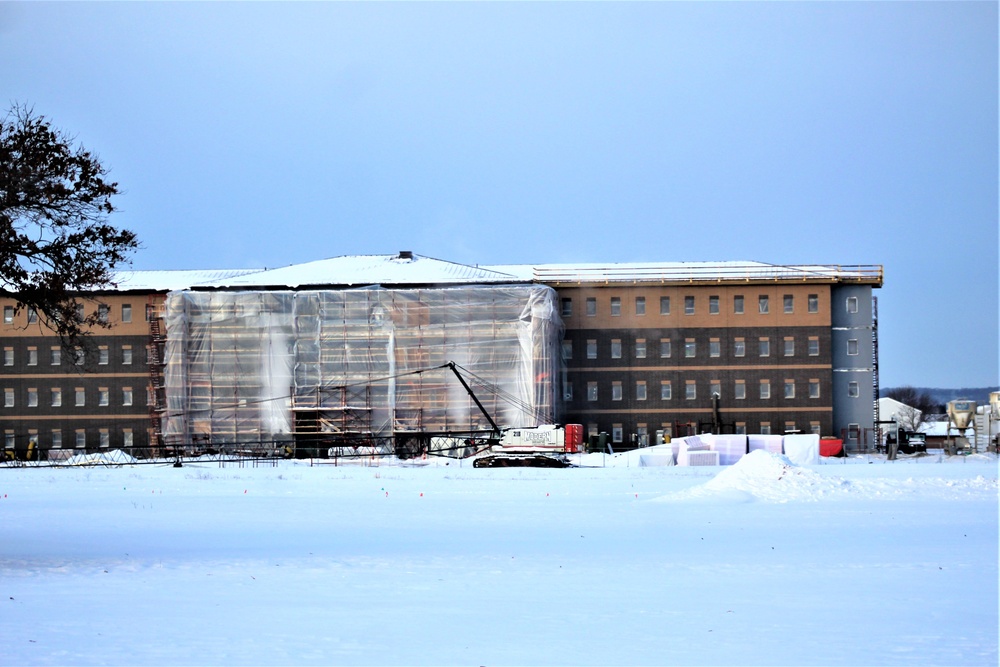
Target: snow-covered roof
940 430
691 271
401 269
407 268
890 407
164 281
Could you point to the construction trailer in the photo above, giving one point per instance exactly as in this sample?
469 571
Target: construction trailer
312 370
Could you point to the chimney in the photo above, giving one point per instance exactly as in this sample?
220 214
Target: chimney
405 254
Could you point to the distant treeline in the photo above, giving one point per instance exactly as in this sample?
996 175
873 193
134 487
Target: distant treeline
941 396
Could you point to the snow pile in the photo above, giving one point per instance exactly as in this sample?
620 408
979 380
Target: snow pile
655 456
114 457
764 475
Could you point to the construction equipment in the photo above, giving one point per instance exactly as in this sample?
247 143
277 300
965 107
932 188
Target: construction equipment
537 446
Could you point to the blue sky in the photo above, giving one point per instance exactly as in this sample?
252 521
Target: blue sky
270 134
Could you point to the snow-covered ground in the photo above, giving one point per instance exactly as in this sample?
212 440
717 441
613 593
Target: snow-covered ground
856 562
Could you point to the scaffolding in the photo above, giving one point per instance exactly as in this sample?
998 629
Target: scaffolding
327 367
156 396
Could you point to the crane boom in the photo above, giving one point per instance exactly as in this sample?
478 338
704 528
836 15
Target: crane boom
493 424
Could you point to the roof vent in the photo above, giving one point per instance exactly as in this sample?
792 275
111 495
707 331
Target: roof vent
405 254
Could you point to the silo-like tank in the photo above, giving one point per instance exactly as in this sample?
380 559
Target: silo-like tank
995 404
961 413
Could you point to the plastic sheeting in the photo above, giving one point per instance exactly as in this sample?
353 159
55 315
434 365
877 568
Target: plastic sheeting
262 366
802 449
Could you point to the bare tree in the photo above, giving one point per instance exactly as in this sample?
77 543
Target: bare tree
55 242
918 404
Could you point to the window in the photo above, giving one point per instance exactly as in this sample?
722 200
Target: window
642 431
764 347
640 390
853 432
789 388
32 356
591 391
591 348
103 396
150 395
126 312
591 306
714 347
765 389
763 304
790 427
8 397
741 428
8 314
56 355
567 391
32 315
813 348
852 304
105 438
616 390
127 439
616 306
567 349
150 312
852 347
715 388
56 438
788 303
813 388
80 312
102 314
789 346
56 397
78 356
616 348
690 348
616 433
666 392
814 428
591 429
127 354
640 348
567 307
738 304
765 428
640 305
664 305
32 397
713 305
81 438
102 355
664 348
739 347
690 390
853 390
8 437
813 303
689 305
740 390
80 397
8 356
